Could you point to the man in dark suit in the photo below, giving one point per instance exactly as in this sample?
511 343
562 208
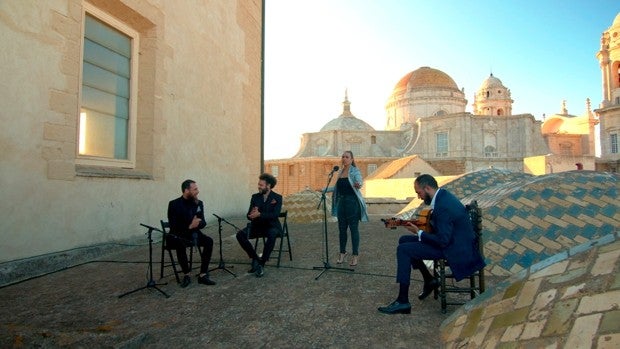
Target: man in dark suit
186 216
452 238
265 207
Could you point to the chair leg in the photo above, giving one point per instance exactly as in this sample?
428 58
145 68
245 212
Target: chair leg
442 287
472 286
290 251
280 250
161 262
174 267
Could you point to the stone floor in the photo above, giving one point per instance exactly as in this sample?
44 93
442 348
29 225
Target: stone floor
290 307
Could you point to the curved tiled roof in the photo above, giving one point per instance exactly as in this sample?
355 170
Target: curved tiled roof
529 218
569 300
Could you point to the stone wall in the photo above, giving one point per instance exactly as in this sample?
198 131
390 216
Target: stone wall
199 78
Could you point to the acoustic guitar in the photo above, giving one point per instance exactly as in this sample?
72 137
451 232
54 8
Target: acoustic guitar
422 222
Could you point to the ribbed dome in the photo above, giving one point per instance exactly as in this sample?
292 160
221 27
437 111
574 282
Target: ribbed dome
425 77
346 121
349 123
491 82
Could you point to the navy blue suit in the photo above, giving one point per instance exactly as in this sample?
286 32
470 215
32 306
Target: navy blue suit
266 225
453 238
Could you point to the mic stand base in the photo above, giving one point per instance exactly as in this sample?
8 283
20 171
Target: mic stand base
223 267
326 266
149 284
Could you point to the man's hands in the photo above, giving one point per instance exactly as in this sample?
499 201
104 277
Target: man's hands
412 228
195 222
254 213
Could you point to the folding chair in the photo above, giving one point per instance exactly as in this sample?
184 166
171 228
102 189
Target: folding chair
283 234
440 265
165 227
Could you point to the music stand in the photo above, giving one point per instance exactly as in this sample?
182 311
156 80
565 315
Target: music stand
151 282
222 265
326 266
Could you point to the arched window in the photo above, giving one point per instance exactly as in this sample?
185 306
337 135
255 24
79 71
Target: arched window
500 112
490 151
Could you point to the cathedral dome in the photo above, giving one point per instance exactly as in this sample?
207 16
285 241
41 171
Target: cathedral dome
346 121
425 77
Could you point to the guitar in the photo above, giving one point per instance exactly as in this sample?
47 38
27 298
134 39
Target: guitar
422 222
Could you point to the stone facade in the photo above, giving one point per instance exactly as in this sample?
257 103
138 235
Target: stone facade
186 97
426 117
609 111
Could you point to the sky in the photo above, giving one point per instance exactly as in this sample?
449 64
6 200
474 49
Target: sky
543 51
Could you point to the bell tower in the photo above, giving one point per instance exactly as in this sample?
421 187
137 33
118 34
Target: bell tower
609 111
492 98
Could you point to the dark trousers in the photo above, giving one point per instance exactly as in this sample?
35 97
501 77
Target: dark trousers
349 214
244 236
412 253
205 245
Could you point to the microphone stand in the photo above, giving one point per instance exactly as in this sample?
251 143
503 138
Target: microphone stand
222 265
326 266
150 283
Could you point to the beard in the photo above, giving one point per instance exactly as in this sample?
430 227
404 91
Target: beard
428 200
263 191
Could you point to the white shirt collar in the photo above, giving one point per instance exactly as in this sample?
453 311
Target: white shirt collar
434 197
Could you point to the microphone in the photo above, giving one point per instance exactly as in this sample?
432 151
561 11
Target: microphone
336 168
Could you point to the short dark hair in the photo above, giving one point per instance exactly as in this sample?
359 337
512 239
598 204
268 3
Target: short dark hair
426 179
269 179
186 184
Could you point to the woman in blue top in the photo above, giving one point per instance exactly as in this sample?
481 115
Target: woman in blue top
349 206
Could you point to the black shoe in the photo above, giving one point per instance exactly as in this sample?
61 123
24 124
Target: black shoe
254 266
186 281
429 288
260 270
396 308
205 280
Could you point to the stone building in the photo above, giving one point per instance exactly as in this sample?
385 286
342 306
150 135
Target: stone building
320 152
609 110
425 116
108 105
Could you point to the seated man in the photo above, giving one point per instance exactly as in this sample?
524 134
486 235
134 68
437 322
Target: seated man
265 207
186 217
453 239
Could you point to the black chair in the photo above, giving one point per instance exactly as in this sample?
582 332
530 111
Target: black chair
440 265
165 227
283 234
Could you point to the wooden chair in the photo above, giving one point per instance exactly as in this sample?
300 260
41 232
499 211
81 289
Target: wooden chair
282 235
165 227
439 267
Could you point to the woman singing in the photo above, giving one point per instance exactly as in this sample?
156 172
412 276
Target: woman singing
349 206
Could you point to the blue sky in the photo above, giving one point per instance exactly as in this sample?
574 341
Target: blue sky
543 51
